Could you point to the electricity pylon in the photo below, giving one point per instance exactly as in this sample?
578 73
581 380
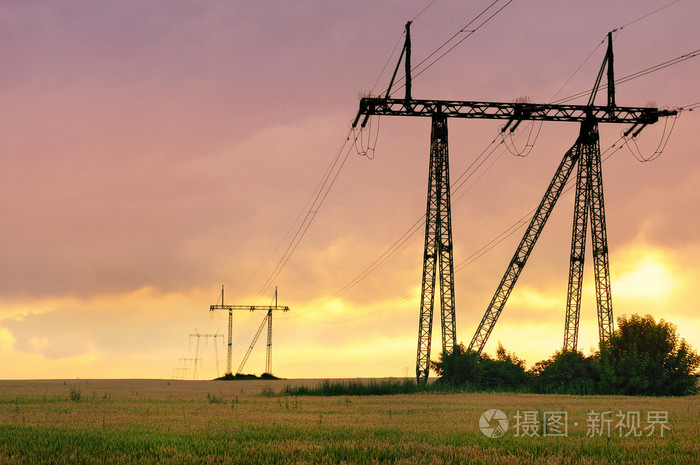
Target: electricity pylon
184 361
180 372
206 337
438 238
251 308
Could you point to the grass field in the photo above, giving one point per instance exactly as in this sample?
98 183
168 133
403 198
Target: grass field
160 421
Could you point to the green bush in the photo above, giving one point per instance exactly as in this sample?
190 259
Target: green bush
642 358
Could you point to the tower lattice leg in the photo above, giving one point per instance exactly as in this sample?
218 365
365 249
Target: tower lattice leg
230 342
447 288
578 242
268 358
437 252
601 263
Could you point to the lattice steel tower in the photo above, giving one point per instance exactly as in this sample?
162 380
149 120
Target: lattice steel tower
251 308
437 256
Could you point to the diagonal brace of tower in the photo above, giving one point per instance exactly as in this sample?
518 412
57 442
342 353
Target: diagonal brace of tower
438 242
268 353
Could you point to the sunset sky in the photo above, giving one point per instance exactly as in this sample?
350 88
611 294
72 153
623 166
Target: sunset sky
155 150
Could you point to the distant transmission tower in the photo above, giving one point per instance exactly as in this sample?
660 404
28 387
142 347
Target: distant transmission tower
206 337
185 361
250 308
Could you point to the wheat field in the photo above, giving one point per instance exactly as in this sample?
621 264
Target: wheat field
250 422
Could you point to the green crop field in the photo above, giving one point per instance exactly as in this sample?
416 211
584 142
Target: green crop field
248 422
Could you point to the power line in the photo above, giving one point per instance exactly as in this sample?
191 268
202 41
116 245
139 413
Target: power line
636 75
423 10
469 34
649 14
578 69
521 222
509 231
603 41
419 224
388 60
460 31
404 239
323 188
689 107
665 137
319 196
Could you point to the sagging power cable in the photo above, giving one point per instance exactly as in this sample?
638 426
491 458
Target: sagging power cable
311 209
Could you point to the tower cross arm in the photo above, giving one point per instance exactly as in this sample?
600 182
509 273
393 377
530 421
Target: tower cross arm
251 308
510 111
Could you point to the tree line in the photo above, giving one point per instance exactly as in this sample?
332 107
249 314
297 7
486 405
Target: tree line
643 357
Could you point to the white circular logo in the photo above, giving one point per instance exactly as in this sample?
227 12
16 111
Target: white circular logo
493 423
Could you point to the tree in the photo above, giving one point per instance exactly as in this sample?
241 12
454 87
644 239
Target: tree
649 358
506 372
566 372
465 369
459 368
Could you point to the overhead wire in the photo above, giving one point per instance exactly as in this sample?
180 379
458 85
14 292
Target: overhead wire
522 221
532 124
509 231
525 219
649 14
368 149
528 147
469 172
388 60
318 195
509 141
689 107
417 226
395 247
631 140
460 31
303 213
469 32
615 30
635 75
423 10
311 212
404 239
396 46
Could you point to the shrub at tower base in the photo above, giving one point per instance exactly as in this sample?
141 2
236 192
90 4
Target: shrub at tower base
643 357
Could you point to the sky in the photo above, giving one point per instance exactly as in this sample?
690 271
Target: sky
152 152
